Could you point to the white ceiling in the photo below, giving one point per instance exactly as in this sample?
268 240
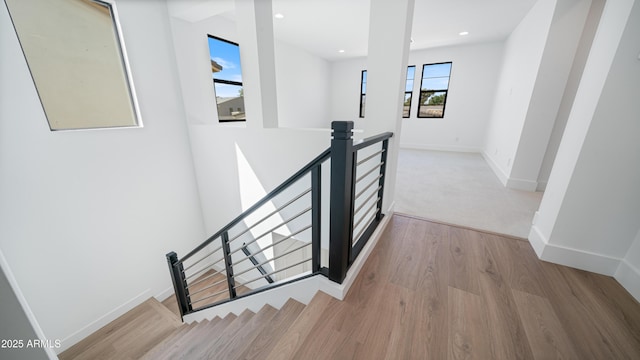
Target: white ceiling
322 27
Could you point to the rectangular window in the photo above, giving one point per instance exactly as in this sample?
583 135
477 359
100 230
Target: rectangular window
227 79
363 92
407 91
433 90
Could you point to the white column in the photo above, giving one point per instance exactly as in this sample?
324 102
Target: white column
389 39
257 56
589 214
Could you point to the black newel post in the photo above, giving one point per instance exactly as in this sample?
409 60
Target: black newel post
226 250
179 283
342 189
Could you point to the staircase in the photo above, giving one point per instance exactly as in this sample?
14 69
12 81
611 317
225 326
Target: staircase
151 331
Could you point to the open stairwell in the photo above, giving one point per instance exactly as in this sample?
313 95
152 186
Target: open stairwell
426 291
152 331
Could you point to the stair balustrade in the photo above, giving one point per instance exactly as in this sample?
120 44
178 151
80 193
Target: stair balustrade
279 239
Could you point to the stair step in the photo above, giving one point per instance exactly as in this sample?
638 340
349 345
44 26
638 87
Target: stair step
168 342
209 351
279 324
191 340
129 336
297 333
247 333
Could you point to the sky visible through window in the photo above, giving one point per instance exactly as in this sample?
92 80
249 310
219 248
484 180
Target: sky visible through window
436 77
226 55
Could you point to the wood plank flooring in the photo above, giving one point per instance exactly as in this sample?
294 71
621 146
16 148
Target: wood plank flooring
427 291
434 291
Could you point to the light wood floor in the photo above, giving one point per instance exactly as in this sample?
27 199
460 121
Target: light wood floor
432 291
427 291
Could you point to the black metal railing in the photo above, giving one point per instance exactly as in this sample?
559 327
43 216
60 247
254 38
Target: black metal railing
278 240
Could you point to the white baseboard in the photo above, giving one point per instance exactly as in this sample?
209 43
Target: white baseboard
502 176
629 277
512 183
579 259
103 320
440 147
522 184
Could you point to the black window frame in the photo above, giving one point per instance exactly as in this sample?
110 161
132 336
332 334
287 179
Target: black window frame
410 93
228 82
445 91
363 93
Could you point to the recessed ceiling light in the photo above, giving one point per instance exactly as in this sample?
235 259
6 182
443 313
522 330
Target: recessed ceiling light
278 16
340 51
464 33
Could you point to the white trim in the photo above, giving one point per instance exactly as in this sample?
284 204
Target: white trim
537 240
105 319
629 277
24 304
503 177
579 259
522 184
414 146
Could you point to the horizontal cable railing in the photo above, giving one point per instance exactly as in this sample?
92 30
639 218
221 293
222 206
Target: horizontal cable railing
278 240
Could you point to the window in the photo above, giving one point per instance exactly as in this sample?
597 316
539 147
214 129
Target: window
407 91
227 79
363 91
433 90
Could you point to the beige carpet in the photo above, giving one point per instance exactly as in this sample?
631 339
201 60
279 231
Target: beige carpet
461 189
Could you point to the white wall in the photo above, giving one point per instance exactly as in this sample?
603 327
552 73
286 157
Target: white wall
474 75
87 217
302 79
564 35
580 59
273 155
522 56
589 215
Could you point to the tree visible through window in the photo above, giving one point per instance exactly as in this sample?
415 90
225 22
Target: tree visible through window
433 90
227 79
407 91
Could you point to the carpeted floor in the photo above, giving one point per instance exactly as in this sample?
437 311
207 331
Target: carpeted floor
461 189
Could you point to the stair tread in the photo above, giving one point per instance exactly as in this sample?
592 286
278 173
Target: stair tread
132 334
194 338
266 340
204 352
168 342
246 334
297 333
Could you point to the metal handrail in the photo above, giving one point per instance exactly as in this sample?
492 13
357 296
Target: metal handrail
368 186
208 267
295 177
370 157
365 201
204 257
369 172
344 168
272 259
276 227
272 213
273 272
275 243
